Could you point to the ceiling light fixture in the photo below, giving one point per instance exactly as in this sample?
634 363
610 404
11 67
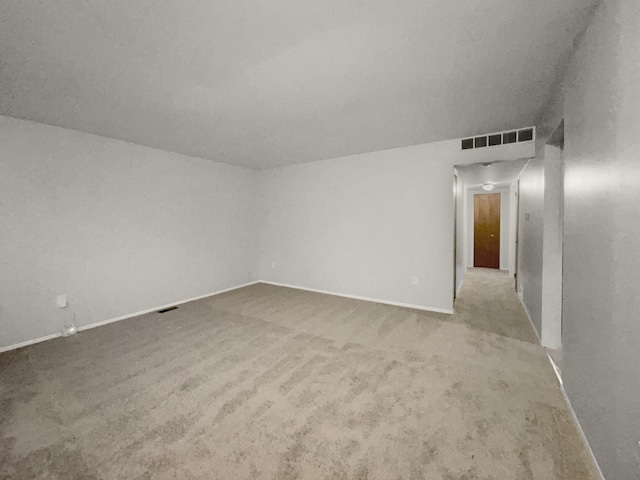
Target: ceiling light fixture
487 187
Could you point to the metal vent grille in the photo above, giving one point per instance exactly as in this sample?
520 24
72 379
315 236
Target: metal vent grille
165 310
499 138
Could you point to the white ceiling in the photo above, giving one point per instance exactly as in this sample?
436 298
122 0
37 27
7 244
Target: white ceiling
262 83
500 174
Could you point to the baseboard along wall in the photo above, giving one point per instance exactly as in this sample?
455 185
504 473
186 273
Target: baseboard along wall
122 317
583 436
366 299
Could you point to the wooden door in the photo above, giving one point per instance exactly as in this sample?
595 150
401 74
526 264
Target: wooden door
486 230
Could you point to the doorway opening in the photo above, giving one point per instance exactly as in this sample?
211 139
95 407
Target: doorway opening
485 217
553 254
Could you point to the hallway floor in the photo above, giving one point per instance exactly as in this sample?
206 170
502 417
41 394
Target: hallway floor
487 301
267 382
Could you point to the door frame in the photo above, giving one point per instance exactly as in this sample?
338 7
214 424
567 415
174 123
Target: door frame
468 208
455 234
499 195
517 242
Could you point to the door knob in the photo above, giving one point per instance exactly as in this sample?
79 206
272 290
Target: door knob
492 236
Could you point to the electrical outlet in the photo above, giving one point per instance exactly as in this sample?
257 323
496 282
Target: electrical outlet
273 264
414 280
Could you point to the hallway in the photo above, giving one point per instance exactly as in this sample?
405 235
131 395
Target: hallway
487 301
270 382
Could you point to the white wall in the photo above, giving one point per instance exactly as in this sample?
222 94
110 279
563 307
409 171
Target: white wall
118 227
551 313
601 323
365 224
530 238
505 225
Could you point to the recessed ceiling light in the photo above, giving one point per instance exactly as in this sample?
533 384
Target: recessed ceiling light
487 186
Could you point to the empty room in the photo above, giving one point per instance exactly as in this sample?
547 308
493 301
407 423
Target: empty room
319 239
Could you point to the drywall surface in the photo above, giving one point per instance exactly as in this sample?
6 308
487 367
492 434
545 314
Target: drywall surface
265 83
551 328
601 326
366 224
117 227
530 239
505 225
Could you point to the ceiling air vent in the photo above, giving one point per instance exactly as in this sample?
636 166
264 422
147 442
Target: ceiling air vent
480 142
500 138
495 140
525 135
509 137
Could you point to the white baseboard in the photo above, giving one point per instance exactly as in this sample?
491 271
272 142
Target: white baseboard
526 310
366 299
585 441
30 342
173 304
555 369
123 317
155 309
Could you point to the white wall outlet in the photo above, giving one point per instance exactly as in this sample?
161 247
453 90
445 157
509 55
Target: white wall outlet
414 280
273 264
61 301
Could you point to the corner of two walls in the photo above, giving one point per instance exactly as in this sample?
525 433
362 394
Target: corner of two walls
530 237
365 225
117 227
598 100
122 228
601 273
461 232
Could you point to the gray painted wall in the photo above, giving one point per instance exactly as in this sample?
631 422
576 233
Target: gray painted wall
551 332
601 331
530 238
118 227
365 224
122 228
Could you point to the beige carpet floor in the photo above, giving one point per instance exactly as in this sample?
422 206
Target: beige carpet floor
267 382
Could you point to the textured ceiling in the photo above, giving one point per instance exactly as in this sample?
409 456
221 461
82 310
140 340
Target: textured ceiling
263 83
500 174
